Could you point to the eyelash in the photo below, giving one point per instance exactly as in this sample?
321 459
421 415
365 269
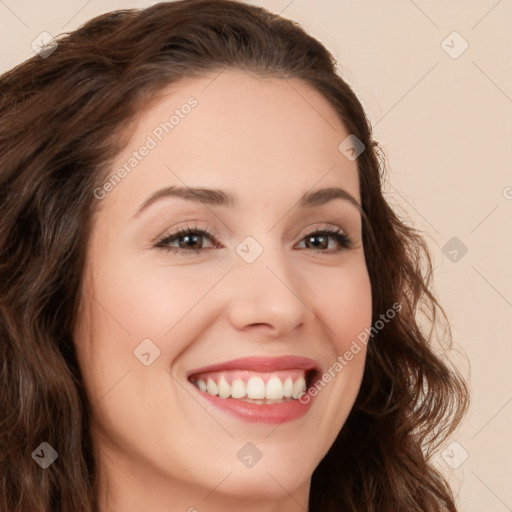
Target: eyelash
343 240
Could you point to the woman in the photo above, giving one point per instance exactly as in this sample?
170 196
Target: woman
206 301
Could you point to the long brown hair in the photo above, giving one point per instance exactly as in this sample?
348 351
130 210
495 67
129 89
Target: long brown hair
61 120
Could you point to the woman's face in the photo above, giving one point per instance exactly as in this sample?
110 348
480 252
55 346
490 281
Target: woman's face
163 319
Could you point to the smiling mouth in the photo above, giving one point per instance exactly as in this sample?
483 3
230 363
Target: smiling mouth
258 389
255 387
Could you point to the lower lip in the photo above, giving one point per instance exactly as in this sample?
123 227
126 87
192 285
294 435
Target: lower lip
259 413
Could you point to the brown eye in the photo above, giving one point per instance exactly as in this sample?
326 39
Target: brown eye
189 241
319 239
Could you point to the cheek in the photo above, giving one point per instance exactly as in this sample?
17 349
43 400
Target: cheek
172 301
343 303
344 308
159 302
162 299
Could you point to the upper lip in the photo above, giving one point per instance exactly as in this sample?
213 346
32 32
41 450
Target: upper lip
261 364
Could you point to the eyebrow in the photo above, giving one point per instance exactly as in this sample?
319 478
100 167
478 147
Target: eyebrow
216 197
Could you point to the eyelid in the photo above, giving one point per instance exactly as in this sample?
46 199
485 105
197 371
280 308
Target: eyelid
183 231
342 237
187 225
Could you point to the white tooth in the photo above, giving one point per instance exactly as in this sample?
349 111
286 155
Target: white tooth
211 387
288 387
298 387
255 388
201 384
224 388
274 388
238 388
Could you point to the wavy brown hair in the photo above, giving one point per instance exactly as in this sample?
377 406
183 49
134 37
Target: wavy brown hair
62 120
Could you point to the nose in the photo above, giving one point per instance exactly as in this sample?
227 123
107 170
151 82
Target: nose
268 295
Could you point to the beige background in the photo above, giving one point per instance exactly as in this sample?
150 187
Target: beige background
444 123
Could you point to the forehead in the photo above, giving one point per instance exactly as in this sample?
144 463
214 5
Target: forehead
241 132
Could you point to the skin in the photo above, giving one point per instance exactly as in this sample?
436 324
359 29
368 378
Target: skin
160 447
